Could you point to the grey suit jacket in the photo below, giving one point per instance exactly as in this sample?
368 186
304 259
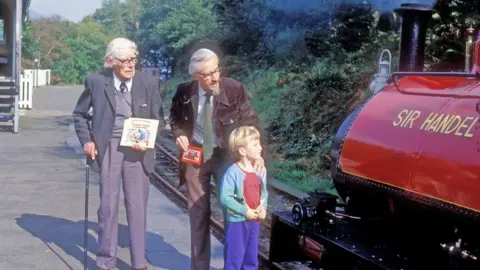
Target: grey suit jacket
99 94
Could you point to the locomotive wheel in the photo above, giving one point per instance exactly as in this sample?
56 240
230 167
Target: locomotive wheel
297 214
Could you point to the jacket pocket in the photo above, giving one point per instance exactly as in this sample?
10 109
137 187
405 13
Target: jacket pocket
229 119
143 110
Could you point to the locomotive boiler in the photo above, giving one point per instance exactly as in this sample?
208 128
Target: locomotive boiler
406 164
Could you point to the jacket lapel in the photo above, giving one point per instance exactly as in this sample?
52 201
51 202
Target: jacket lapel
194 100
110 89
220 98
138 93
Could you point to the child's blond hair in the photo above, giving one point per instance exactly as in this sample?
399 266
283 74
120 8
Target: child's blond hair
241 136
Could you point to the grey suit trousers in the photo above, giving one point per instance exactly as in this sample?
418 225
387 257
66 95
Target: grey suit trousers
122 163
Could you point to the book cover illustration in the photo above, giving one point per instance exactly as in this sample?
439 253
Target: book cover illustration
139 130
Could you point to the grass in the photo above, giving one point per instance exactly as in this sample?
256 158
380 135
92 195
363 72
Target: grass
289 173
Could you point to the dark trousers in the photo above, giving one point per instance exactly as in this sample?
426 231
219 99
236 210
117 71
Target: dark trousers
198 186
122 163
241 245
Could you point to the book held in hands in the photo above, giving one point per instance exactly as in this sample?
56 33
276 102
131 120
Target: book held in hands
142 131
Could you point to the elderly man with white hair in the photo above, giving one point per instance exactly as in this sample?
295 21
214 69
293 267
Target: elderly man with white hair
204 112
117 93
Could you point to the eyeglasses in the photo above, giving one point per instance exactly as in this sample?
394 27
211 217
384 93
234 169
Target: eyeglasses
129 61
216 71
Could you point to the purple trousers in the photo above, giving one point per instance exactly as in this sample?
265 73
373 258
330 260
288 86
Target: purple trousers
241 245
122 163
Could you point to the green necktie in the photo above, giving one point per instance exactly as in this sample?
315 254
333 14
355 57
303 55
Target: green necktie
207 129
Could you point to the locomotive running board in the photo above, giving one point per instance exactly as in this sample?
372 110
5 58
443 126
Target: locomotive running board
339 252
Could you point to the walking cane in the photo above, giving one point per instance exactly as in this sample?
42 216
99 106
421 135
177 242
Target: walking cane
85 236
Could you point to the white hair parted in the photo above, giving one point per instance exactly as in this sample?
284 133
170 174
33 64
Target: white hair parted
198 57
121 48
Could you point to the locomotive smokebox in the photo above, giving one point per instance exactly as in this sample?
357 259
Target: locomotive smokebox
412 42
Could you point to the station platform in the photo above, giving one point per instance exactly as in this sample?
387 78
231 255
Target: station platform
42 211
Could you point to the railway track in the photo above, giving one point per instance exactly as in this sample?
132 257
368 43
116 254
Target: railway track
166 177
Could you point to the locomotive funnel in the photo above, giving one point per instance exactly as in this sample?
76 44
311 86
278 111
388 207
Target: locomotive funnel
412 41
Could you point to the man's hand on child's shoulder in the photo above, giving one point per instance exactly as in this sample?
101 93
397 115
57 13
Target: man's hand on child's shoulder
259 166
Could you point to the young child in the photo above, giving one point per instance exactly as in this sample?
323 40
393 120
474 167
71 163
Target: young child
243 193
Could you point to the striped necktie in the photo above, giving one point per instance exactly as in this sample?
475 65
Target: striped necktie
123 87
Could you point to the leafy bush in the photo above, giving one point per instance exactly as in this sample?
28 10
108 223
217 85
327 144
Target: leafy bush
318 101
301 104
353 25
290 43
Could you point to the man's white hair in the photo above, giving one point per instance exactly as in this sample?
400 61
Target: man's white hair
121 48
198 57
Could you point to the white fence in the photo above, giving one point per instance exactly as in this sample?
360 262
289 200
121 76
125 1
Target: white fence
28 80
25 96
41 77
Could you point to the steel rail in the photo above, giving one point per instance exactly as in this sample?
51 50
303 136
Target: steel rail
174 159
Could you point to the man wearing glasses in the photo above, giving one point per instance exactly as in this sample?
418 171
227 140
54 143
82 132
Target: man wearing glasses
203 113
114 95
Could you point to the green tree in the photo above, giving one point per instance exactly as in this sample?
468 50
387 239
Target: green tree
29 44
89 43
168 27
242 24
153 49
446 36
131 16
186 24
112 16
50 35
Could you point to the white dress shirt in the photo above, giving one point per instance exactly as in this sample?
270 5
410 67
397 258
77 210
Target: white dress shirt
117 82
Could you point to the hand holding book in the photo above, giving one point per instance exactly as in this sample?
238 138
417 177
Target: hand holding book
139 147
139 133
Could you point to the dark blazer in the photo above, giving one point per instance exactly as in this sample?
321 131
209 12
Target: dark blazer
231 109
99 94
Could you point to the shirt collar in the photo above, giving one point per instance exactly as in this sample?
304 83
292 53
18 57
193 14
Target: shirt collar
117 82
202 92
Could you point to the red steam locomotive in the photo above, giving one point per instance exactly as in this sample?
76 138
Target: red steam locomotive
407 165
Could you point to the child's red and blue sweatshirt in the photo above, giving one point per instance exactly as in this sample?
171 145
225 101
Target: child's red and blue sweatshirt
239 189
